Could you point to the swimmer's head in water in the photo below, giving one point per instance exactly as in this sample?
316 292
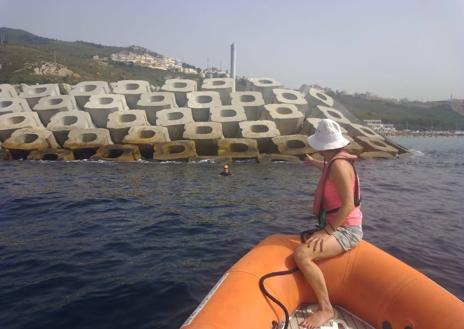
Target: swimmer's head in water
226 166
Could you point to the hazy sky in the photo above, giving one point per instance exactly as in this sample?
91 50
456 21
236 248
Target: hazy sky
398 49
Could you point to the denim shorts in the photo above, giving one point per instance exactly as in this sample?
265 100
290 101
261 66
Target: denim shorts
348 236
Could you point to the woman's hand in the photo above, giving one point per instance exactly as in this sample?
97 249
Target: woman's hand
317 240
308 160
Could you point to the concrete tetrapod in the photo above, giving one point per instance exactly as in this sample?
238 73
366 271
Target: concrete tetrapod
180 150
51 155
224 86
100 106
205 135
355 130
7 91
120 122
200 103
23 141
263 131
14 121
238 148
13 105
117 153
156 101
132 90
296 145
33 93
85 142
330 113
83 90
48 106
251 101
264 86
174 120
145 137
375 145
62 122
229 117
353 147
288 96
287 117
320 96
180 88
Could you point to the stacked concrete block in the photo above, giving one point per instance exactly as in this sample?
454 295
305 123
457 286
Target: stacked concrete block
372 144
33 93
85 142
251 101
265 87
117 153
331 113
288 119
356 130
321 96
13 105
224 86
229 117
132 90
174 120
180 150
288 96
100 106
205 135
14 121
353 147
263 131
51 155
296 145
238 148
180 88
48 106
200 102
83 90
120 122
153 102
7 91
145 137
63 122
23 141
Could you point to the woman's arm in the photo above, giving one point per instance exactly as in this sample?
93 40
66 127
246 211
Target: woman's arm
313 162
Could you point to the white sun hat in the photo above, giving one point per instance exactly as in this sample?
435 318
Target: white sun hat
328 136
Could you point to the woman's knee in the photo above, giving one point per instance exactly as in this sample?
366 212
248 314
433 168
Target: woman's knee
303 254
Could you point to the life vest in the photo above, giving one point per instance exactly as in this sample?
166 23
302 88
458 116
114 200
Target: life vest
318 205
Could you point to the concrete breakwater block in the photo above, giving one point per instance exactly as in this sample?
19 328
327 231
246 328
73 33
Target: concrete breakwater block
22 141
205 135
117 153
7 91
287 117
200 103
14 121
62 122
376 155
51 155
145 137
13 105
321 96
33 93
223 86
174 120
293 145
371 144
48 106
264 86
100 106
85 142
156 101
229 117
132 90
238 148
5 155
251 101
83 90
120 122
289 96
180 88
180 150
353 147
330 113
262 131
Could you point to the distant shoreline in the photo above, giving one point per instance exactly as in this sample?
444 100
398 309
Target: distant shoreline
426 133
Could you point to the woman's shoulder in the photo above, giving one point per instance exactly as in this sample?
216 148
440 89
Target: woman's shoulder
340 167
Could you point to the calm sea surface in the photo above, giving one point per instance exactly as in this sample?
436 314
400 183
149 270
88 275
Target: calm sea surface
104 245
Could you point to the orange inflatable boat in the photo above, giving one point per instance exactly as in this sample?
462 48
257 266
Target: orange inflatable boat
375 288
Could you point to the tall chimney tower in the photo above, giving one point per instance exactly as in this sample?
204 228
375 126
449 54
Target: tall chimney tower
232 63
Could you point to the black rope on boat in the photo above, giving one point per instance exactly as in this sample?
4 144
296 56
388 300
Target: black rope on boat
275 300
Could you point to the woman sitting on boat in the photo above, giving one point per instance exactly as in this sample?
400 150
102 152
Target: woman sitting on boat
337 206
